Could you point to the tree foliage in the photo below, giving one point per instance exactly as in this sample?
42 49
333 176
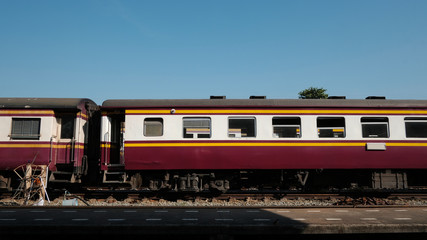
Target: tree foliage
313 93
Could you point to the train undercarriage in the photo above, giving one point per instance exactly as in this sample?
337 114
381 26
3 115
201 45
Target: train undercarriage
264 180
221 181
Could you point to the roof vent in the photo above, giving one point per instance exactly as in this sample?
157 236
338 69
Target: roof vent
375 97
218 97
257 97
336 97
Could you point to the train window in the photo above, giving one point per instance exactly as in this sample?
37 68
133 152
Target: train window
375 127
241 127
25 128
153 127
67 127
197 127
286 127
416 127
331 127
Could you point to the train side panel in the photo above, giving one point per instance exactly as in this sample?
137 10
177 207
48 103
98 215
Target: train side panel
264 151
188 144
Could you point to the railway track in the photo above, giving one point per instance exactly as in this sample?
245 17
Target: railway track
90 196
343 198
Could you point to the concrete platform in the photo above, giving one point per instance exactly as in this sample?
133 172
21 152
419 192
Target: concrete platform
236 222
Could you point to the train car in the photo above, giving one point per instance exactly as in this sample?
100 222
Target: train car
220 144
53 132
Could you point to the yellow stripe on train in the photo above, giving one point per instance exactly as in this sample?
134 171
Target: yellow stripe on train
35 145
26 112
258 111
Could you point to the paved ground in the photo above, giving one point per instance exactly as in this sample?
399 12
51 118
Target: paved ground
212 222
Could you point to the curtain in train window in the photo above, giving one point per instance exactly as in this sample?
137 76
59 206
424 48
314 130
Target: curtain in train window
241 127
331 127
375 127
416 127
153 127
25 128
197 127
286 127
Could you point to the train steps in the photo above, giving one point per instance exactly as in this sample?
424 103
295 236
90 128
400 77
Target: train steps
64 174
115 174
62 177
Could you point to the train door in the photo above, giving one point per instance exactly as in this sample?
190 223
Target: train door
117 139
66 139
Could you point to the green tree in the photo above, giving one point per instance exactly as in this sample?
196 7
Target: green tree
313 93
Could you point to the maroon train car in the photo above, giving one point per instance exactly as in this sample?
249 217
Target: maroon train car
194 145
45 131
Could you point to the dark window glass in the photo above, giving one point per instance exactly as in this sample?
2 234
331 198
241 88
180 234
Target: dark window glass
374 127
153 127
416 127
67 127
286 127
25 128
331 127
241 127
197 127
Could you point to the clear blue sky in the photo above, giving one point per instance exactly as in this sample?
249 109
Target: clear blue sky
111 49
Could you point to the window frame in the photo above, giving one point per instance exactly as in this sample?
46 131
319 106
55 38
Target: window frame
387 123
15 136
73 117
298 135
144 131
343 128
413 119
196 135
237 118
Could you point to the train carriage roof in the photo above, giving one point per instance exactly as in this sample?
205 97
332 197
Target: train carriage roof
47 103
348 103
